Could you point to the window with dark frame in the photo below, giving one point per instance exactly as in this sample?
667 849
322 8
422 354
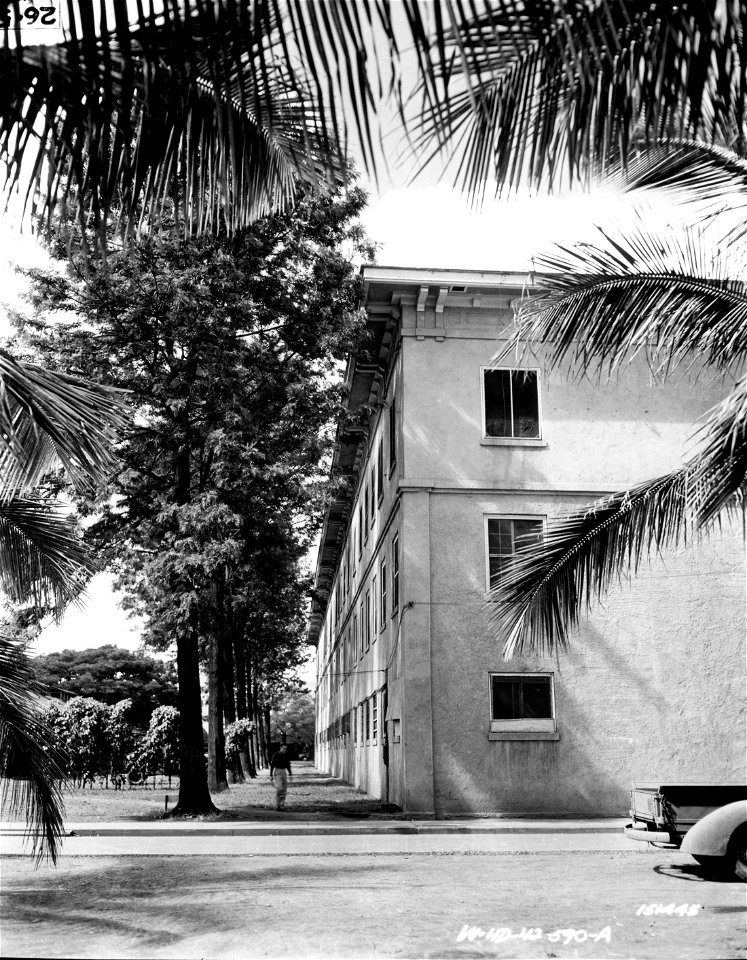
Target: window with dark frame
395 575
368 619
512 404
374 611
368 720
363 629
392 435
380 469
517 697
383 594
360 530
374 717
366 513
505 536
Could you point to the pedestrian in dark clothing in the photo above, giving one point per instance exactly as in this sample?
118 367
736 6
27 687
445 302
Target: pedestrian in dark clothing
280 770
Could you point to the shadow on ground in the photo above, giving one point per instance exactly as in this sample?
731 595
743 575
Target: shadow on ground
310 794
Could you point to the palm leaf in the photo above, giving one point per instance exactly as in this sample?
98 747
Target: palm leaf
41 558
216 106
30 769
48 418
666 295
547 91
546 587
686 172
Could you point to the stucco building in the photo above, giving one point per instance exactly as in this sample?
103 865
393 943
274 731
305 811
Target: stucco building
445 459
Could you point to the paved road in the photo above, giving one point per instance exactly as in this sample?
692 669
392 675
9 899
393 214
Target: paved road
591 904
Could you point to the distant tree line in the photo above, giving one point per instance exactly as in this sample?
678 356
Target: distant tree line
111 674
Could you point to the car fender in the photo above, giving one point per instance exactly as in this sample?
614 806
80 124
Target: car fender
710 836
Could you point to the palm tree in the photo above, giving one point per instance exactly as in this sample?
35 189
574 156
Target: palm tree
46 420
679 302
548 93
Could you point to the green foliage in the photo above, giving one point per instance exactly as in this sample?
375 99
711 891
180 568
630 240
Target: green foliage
230 350
31 765
120 734
158 751
111 674
80 729
295 715
237 737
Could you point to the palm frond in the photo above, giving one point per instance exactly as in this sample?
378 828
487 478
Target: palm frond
216 106
547 586
547 91
685 171
667 295
41 558
48 417
30 769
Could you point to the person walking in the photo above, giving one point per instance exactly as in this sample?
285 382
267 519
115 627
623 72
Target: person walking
280 770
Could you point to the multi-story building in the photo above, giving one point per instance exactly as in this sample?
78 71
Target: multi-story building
446 457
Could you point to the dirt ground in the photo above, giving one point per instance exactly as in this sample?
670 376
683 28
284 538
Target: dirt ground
584 905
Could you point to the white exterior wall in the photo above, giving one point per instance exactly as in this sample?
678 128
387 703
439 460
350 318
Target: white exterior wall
366 673
652 685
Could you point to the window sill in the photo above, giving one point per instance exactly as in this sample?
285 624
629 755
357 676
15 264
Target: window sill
512 442
523 735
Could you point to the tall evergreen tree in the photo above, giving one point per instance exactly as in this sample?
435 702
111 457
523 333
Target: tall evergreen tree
228 347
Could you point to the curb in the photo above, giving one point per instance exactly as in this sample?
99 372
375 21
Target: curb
302 830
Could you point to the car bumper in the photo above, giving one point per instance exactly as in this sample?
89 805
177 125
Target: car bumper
649 836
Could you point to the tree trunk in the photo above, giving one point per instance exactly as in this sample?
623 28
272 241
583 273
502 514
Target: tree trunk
217 781
262 746
235 768
194 796
266 718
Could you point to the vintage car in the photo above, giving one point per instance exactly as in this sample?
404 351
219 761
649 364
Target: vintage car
719 840
706 820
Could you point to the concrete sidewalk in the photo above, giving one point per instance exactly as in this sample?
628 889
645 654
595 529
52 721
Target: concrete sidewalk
235 828
200 838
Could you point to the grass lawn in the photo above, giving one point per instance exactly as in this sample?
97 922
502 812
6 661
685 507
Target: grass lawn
310 793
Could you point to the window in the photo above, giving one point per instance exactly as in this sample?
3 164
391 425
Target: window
392 435
363 630
522 702
395 575
367 708
372 488
380 469
511 404
347 568
360 530
374 717
365 503
368 619
355 637
383 594
374 612
504 536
